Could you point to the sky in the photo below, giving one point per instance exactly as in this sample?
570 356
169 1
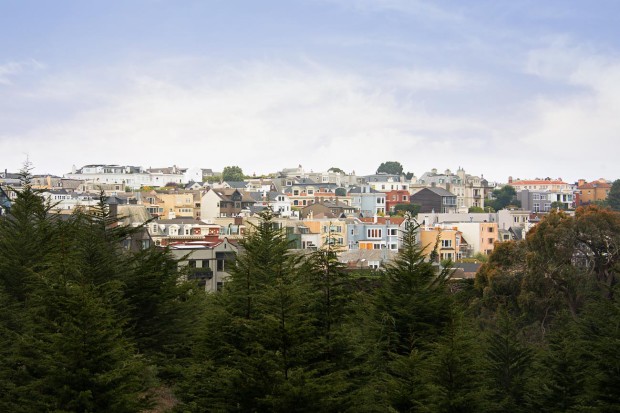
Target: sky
513 88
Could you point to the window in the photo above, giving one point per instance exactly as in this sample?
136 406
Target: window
536 197
536 207
392 231
404 197
310 191
446 243
375 233
491 229
491 240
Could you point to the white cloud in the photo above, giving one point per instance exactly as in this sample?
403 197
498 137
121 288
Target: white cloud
581 128
262 116
13 69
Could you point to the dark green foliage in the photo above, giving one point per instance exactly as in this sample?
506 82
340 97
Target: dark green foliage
503 197
232 173
613 197
452 374
76 333
390 168
411 209
508 363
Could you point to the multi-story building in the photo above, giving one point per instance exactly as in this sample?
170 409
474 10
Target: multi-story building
225 203
133 177
375 233
383 182
591 192
168 231
172 204
67 202
368 201
332 232
205 262
447 240
434 200
469 190
396 197
279 203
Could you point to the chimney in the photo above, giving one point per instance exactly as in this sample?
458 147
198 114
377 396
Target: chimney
510 179
581 182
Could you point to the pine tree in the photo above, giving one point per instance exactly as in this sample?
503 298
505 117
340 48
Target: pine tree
258 331
508 364
410 312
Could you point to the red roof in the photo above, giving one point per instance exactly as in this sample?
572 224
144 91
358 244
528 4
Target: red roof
381 220
595 184
538 182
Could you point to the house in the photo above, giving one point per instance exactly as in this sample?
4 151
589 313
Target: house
66 202
448 240
327 209
591 192
396 197
224 202
331 232
133 177
375 233
470 190
434 200
172 204
383 182
205 262
279 203
135 216
368 201
481 236
168 231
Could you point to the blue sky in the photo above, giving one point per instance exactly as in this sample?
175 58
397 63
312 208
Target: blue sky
524 89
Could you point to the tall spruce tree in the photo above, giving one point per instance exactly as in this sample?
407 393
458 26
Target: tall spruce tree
258 332
63 306
410 312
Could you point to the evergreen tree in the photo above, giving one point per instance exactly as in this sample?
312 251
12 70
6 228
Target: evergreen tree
613 198
452 374
508 364
258 333
410 312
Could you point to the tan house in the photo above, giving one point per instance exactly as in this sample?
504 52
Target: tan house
449 240
591 192
172 204
332 232
204 262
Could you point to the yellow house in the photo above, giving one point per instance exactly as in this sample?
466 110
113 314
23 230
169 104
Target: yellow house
332 232
449 240
170 205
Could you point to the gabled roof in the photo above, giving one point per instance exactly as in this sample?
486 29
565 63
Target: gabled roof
236 184
595 184
438 191
226 193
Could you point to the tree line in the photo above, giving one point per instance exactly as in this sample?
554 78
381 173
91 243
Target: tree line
87 326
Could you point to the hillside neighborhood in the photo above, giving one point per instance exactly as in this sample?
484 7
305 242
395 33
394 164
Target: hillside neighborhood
461 216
